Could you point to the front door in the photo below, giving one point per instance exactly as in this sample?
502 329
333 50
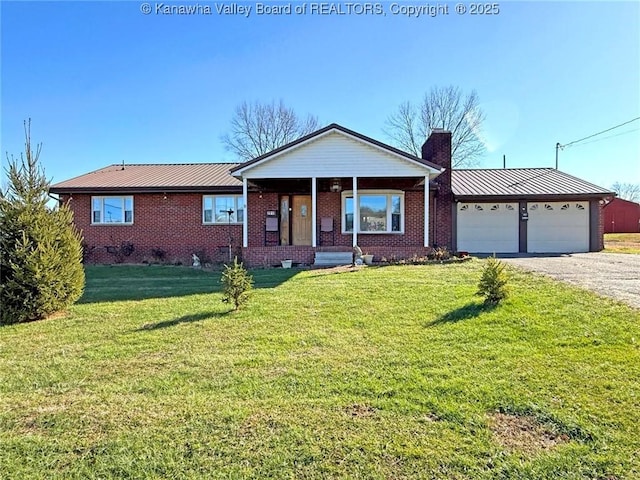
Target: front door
301 220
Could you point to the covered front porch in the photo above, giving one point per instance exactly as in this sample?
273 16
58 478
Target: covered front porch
295 218
334 189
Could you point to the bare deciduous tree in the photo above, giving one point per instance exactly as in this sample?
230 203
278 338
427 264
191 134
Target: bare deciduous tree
441 107
258 128
627 191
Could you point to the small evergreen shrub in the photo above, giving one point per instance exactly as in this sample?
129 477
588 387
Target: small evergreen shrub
237 283
40 249
493 282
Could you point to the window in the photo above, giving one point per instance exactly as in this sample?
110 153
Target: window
380 211
222 209
111 210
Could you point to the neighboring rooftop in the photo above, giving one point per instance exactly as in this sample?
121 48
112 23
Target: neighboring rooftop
520 182
184 177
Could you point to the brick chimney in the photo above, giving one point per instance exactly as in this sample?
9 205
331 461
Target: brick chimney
437 149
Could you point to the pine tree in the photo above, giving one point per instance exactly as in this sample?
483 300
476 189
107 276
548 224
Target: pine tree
493 282
40 249
236 283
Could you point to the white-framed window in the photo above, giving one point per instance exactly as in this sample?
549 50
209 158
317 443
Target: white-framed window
110 210
381 211
222 209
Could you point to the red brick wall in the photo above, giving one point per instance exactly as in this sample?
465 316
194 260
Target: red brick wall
173 224
272 256
259 203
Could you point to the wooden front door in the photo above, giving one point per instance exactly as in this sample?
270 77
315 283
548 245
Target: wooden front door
301 220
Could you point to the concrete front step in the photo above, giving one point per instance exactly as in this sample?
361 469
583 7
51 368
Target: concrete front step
332 259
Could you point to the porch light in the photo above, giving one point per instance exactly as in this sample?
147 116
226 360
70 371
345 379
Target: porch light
336 185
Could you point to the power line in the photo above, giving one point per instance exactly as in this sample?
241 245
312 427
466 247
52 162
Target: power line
596 134
609 136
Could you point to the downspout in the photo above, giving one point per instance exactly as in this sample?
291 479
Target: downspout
435 219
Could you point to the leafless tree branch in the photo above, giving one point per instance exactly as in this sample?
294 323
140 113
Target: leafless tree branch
441 107
627 191
258 128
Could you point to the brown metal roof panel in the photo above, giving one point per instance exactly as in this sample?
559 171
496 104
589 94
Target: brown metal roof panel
155 175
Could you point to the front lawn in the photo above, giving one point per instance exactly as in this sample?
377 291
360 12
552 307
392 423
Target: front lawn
390 372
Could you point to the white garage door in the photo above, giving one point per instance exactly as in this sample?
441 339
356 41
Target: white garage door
487 227
558 227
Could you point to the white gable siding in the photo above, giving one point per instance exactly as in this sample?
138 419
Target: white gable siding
336 155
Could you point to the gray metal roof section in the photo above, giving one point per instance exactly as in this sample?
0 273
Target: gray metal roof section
520 182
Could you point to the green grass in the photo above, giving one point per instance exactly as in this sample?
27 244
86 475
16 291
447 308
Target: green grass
386 372
622 243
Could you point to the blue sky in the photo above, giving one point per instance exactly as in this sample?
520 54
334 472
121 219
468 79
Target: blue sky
104 83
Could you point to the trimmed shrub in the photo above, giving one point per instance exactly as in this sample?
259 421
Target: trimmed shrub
237 283
493 282
40 249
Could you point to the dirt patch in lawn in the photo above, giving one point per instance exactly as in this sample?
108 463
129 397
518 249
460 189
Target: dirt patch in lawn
524 433
360 410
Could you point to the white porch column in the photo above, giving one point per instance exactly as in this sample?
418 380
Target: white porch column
314 214
426 211
356 212
245 224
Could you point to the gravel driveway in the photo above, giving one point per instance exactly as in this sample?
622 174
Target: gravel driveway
613 275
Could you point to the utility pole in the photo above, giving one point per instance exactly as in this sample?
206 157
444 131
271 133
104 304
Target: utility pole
558 147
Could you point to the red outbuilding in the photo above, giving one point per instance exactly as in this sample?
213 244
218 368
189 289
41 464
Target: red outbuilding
621 216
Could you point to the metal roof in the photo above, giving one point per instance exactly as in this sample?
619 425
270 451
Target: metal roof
520 182
510 182
153 177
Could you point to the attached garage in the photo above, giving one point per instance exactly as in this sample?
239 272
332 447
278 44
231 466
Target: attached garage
558 227
526 210
487 227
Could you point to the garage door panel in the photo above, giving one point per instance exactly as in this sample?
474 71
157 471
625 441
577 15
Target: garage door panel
487 227
558 227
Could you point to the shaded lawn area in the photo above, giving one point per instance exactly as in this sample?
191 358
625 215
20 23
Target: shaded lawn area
622 243
134 282
394 372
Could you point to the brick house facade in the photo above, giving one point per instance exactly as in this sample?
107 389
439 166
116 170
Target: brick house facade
328 191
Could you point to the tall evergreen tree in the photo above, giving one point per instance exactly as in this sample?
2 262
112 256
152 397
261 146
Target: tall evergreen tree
41 268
